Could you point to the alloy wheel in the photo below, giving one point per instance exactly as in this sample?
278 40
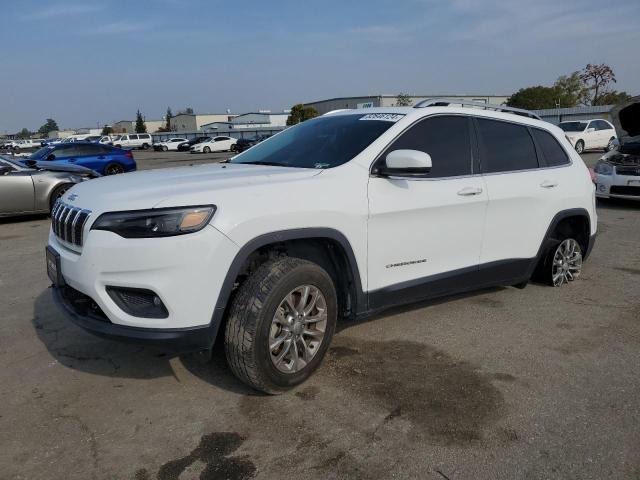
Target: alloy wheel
567 262
114 169
297 329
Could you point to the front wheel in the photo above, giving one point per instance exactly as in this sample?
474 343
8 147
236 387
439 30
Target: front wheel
113 168
206 150
579 146
280 324
165 148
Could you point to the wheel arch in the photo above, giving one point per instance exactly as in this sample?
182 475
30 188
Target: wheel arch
573 219
308 243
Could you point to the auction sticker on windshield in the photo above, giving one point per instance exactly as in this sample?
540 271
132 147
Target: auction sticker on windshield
387 117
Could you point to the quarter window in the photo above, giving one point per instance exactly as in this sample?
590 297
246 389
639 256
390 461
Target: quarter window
505 147
446 139
554 154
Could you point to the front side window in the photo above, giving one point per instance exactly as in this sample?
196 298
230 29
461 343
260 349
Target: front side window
554 154
505 147
323 142
602 125
445 138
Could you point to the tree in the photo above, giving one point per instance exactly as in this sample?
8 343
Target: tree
403 100
140 125
168 118
597 79
24 133
535 98
614 98
49 126
107 130
299 113
571 90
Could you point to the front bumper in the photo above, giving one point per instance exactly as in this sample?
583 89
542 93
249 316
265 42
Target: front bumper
186 273
624 186
93 320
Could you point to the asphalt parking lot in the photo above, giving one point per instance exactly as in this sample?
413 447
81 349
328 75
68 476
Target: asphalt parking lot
539 383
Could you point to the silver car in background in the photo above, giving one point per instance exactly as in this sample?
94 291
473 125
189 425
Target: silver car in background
33 187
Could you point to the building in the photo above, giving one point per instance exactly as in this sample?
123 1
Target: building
324 106
249 120
190 122
129 126
557 115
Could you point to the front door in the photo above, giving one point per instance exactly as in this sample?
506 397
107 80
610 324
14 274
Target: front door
425 234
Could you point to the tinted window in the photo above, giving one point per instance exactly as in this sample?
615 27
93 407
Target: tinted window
446 139
602 125
82 150
67 151
553 153
133 137
323 142
573 126
144 137
505 147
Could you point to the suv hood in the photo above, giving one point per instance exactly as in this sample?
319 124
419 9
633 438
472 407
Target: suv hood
197 185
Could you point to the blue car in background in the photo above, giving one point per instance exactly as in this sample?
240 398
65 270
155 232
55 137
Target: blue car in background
104 159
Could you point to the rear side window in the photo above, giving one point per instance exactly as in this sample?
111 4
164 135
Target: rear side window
505 147
133 137
554 154
446 139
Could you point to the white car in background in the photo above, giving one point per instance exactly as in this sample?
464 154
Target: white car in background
171 144
215 144
134 140
590 134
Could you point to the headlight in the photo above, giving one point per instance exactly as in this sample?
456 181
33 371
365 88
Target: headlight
157 222
603 168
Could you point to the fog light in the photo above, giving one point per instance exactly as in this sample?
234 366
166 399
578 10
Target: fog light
138 302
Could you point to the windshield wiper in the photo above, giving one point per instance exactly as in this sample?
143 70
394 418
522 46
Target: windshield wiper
257 162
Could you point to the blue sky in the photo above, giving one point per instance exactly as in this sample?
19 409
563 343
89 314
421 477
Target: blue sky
88 62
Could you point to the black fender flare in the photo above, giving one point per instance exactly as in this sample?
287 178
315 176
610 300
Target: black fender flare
276 237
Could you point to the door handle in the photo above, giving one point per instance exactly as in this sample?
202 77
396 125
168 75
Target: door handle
549 184
468 191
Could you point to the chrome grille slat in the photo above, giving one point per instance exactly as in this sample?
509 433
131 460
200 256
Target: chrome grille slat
67 223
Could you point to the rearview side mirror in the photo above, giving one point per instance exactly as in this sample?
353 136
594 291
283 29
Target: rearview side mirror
591 129
406 163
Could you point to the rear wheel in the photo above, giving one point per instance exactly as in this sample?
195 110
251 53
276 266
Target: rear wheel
113 168
563 263
610 145
280 324
579 146
58 192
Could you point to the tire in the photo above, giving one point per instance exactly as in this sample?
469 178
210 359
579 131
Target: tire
259 316
165 148
563 263
610 145
145 146
206 150
579 147
113 168
118 146
57 193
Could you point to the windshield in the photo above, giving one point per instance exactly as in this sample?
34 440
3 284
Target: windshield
42 153
573 126
324 142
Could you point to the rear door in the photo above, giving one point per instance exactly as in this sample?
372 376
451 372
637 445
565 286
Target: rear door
423 232
522 196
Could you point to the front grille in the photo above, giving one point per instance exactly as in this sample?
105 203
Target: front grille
631 171
625 190
68 222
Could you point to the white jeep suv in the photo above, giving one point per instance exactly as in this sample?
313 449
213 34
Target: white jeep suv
338 217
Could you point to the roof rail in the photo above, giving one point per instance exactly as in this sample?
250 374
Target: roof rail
445 102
